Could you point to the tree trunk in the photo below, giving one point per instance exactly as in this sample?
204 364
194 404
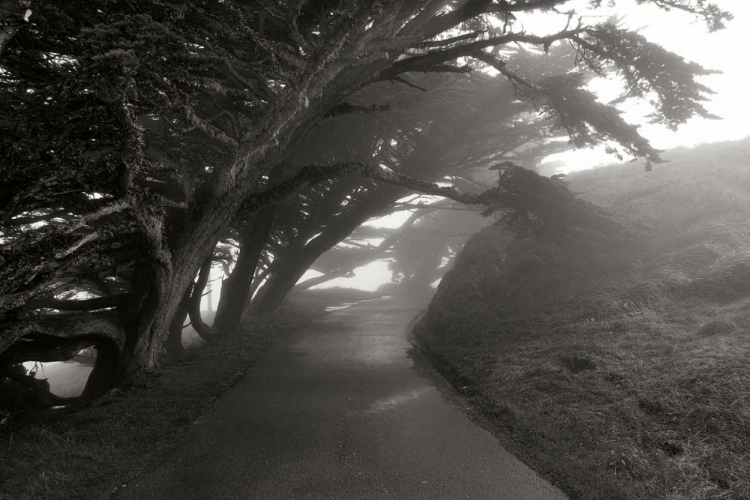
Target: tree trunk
177 248
325 278
280 283
173 345
194 303
369 255
105 374
60 336
427 270
236 289
292 266
160 282
174 339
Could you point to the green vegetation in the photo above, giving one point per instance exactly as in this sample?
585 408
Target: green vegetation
618 371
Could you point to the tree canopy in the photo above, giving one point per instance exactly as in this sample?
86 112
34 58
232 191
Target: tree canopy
133 136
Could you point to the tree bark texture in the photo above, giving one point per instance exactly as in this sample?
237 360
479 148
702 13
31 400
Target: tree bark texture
236 289
174 339
196 297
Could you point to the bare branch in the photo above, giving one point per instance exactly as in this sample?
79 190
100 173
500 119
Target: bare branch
407 83
210 130
86 239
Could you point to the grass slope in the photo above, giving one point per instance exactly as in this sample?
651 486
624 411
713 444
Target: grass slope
619 374
87 454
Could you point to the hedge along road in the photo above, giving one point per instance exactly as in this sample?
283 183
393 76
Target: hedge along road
337 411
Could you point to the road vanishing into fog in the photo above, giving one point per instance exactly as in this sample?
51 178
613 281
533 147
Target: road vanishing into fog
338 411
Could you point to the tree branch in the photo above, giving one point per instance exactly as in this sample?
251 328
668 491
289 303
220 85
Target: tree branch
369 254
419 63
347 108
448 41
57 337
80 305
504 7
213 132
446 68
500 65
407 83
315 173
444 22
194 304
710 12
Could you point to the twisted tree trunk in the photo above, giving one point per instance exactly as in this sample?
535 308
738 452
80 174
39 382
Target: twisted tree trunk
161 281
194 303
174 339
59 337
294 264
236 289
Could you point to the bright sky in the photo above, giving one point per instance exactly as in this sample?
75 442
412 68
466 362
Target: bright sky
679 32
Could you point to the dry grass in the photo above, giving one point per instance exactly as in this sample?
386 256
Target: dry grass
87 454
617 375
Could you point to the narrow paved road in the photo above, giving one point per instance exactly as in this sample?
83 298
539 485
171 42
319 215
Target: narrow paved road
337 411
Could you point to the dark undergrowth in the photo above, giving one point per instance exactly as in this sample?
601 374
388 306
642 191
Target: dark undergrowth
89 453
618 373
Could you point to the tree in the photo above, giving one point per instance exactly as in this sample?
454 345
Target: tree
448 125
131 136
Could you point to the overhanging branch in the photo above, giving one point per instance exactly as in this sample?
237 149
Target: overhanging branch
420 63
504 6
449 41
56 337
315 173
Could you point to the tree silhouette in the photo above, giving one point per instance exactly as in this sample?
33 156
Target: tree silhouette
132 136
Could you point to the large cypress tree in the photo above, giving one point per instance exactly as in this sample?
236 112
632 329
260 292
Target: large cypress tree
131 135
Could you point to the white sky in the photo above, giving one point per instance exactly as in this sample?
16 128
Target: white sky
679 32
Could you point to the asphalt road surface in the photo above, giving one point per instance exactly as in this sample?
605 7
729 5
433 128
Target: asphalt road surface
337 411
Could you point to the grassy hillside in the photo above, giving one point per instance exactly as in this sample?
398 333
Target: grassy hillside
619 371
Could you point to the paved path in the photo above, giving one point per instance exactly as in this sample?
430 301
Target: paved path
337 411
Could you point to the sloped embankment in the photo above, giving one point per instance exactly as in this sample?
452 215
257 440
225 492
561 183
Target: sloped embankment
617 367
